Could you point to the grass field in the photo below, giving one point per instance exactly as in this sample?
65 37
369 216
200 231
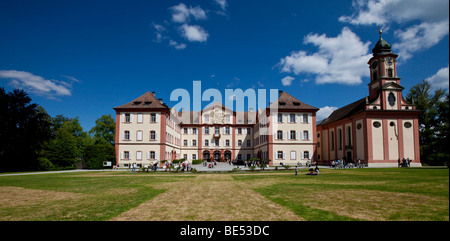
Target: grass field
417 194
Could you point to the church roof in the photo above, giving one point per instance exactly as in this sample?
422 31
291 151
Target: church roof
288 102
381 47
345 111
145 101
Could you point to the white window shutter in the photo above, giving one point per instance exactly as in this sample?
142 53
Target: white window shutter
284 155
295 118
148 155
123 135
156 135
123 118
156 155
296 135
284 135
157 117
121 155
131 118
131 135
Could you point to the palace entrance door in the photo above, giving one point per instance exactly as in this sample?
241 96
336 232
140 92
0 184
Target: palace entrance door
217 155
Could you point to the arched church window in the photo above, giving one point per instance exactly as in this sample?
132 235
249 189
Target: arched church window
390 73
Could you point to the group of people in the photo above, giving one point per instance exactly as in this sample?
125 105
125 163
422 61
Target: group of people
405 162
212 164
312 171
338 163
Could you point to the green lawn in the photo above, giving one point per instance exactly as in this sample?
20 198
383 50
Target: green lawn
356 194
362 194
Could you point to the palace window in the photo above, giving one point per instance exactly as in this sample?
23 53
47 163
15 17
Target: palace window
293 155
293 135
305 118
153 117
280 118
126 135
152 135
306 155
305 135
279 155
292 118
152 155
280 135
126 155
127 117
227 130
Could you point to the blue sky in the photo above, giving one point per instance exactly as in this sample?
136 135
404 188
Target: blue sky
82 58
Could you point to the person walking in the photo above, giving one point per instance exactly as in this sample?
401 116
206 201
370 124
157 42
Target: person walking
296 170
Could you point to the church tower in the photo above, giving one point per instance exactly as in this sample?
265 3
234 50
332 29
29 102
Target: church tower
384 86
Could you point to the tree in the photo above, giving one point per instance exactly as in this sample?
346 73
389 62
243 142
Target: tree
24 127
104 130
68 143
433 122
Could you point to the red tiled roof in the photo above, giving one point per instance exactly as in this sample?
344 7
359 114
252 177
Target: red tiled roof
145 101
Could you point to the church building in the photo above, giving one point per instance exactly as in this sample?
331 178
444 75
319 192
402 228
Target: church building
378 129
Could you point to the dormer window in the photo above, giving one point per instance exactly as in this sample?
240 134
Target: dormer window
282 103
147 103
296 103
136 103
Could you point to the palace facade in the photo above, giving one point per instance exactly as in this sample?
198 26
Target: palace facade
147 130
379 129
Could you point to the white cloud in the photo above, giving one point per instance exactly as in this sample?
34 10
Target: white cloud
287 81
194 33
177 45
342 59
37 84
222 3
324 112
418 37
181 13
430 19
440 80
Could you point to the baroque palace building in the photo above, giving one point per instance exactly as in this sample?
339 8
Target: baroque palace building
147 130
378 129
